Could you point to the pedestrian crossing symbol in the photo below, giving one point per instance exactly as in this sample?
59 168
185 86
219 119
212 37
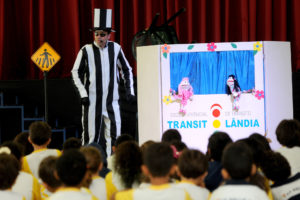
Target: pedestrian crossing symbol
45 57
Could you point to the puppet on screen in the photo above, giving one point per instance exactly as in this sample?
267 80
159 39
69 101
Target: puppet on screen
233 89
185 93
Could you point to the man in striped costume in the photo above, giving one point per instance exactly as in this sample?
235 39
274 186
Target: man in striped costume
96 74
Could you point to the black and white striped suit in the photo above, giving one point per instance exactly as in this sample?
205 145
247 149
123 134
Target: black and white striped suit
96 75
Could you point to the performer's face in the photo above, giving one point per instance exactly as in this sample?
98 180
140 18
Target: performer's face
101 37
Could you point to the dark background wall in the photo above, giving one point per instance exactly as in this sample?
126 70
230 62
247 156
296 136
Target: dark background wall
64 109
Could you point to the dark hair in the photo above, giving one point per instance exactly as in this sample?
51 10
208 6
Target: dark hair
262 139
15 148
46 172
145 145
22 139
123 138
93 158
39 132
180 146
72 143
216 144
171 135
257 148
158 158
237 160
71 167
275 166
236 85
9 170
128 162
192 163
288 132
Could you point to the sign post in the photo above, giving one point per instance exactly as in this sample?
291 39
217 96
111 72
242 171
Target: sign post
45 58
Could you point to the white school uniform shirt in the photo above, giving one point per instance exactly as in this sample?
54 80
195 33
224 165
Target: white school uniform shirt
160 192
196 192
288 189
115 184
71 193
28 186
238 190
292 156
98 188
32 161
10 195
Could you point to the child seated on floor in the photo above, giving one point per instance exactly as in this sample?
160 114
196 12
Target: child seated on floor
158 165
216 144
237 161
26 184
94 162
192 166
40 137
277 168
127 169
71 169
50 183
9 170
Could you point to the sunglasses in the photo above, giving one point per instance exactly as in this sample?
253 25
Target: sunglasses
101 34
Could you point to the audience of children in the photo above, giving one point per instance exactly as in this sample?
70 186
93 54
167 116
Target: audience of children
245 169
288 135
50 183
9 170
122 138
40 137
22 139
216 144
171 135
238 166
71 169
158 164
72 143
94 163
277 169
127 169
26 184
192 166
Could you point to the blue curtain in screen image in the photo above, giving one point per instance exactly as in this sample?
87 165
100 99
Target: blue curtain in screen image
208 71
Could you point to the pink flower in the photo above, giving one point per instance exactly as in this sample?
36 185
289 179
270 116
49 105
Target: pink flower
259 94
165 48
211 46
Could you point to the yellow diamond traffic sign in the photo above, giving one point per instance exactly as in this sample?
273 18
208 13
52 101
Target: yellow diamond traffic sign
45 57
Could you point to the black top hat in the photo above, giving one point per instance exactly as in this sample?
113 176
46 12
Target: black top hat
102 19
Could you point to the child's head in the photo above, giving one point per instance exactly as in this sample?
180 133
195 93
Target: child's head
9 170
93 158
72 143
159 160
216 144
262 139
40 133
15 149
22 138
237 161
179 145
128 162
288 133
275 166
171 135
123 138
192 164
145 145
71 167
46 173
257 149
